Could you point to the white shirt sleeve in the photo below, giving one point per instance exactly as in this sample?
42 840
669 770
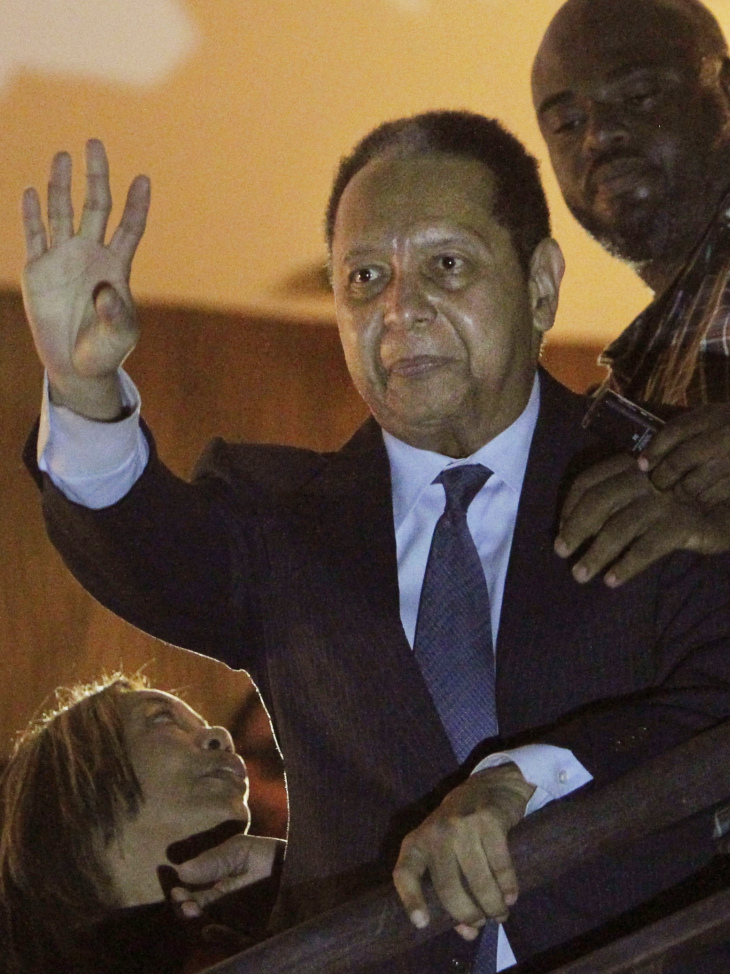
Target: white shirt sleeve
92 463
554 771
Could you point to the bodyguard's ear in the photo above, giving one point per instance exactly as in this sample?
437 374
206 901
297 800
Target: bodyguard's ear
547 267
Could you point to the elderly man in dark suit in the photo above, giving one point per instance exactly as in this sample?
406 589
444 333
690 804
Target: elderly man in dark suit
366 591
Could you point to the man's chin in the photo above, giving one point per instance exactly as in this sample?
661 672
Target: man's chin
635 233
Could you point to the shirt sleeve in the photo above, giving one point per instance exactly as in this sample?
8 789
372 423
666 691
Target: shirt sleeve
554 771
92 463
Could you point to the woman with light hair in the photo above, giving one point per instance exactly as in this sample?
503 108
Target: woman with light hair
100 800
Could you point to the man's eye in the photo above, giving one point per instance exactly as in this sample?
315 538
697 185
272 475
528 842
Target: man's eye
643 100
566 124
450 263
363 275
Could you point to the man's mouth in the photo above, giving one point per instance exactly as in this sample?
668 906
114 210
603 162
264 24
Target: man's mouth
416 366
620 176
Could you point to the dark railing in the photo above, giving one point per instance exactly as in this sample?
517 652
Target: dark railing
680 783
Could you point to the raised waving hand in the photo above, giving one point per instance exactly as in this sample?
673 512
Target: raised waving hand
76 286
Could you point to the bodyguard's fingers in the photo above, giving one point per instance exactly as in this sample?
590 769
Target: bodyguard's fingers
703 478
98 199
686 426
128 234
595 475
408 875
598 505
716 494
617 533
60 208
650 547
36 242
707 450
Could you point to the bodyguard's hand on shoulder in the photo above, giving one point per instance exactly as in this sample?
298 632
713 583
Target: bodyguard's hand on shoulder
676 497
76 286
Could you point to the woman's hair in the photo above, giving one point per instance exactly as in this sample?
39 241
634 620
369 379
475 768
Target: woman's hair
64 794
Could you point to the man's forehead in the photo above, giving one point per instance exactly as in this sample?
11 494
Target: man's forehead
436 187
596 40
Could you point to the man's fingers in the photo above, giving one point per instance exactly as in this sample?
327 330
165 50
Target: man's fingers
230 858
60 208
594 476
684 427
652 545
463 882
503 869
407 877
134 219
98 199
36 242
204 897
717 493
597 505
616 534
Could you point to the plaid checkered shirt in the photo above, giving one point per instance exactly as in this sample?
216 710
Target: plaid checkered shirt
677 352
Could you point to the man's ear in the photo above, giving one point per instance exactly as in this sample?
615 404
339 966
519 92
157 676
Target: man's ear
547 267
725 78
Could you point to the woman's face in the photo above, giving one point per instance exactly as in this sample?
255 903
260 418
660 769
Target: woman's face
190 776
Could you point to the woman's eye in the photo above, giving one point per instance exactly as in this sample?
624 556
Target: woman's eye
162 716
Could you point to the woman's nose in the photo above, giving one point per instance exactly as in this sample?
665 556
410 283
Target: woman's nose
216 739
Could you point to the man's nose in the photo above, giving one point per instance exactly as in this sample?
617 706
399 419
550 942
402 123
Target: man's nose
407 302
606 127
216 739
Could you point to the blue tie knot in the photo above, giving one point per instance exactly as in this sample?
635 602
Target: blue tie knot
462 484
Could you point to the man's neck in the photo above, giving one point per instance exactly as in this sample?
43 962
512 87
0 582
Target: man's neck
659 273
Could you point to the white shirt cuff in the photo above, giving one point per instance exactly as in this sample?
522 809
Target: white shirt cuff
554 771
92 463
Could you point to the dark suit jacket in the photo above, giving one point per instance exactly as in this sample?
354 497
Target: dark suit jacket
283 562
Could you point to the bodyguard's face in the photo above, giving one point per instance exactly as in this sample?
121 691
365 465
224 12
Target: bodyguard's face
433 308
633 116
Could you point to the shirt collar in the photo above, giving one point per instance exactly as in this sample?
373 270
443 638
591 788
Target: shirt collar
412 470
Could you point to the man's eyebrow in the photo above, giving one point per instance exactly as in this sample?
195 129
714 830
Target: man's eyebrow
558 99
623 73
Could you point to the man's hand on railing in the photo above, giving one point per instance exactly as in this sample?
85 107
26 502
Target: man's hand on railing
463 847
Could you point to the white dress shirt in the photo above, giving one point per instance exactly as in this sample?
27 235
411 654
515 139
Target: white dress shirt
95 464
418 503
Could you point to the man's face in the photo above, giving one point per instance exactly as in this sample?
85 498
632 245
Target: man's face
191 779
432 304
633 116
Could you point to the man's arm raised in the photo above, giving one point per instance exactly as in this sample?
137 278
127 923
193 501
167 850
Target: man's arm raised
76 286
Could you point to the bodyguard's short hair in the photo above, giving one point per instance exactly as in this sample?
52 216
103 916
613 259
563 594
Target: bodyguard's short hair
519 203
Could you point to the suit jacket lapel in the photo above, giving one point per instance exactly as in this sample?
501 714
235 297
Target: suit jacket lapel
355 486
536 576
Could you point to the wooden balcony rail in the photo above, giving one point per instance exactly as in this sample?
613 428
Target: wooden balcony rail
660 793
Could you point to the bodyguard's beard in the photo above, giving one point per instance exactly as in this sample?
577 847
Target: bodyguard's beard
660 231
